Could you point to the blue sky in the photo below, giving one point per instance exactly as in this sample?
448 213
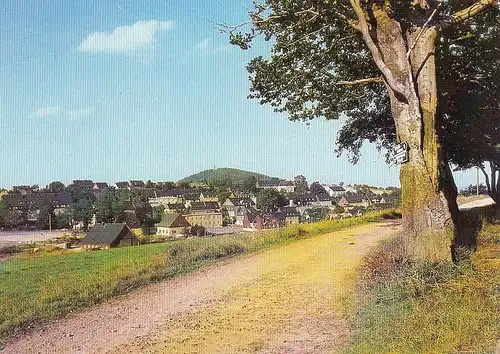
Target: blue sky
118 90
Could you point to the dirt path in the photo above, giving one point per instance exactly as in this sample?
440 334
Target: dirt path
477 203
283 300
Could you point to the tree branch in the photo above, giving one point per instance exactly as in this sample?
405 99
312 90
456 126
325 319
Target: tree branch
472 10
420 33
393 83
486 177
353 23
368 80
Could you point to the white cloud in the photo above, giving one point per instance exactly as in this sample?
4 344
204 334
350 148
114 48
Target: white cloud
204 44
47 111
84 112
207 47
125 39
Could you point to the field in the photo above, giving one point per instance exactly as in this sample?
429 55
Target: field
36 289
438 307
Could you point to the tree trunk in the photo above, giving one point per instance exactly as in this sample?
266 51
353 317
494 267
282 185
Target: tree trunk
428 191
493 185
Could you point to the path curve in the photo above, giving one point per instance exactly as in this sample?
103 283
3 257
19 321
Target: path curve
280 300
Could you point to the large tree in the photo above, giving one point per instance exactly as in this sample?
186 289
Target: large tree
330 58
46 218
270 200
55 187
316 188
4 212
300 183
468 107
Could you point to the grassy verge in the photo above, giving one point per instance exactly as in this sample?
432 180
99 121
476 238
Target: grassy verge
425 307
51 285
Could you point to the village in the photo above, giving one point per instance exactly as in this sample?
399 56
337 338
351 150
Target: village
114 215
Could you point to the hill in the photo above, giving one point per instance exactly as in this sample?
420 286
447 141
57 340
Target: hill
235 175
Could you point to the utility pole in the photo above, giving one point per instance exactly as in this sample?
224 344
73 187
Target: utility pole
50 222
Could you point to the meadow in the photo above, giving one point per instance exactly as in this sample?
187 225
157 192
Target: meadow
39 288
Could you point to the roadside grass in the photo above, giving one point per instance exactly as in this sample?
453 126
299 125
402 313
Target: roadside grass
429 307
51 285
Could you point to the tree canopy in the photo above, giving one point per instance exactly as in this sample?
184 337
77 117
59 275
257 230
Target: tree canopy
316 188
270 200
300 183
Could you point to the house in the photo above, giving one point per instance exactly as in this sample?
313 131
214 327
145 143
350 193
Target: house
208 196
123 185
172 196
22 190
163 198
83 183
323 199
277 184
100 186
174 225
353 200
99 189
135 184
241 212
350 189
205 219
289 215
205 214
232 206
272 220
306 199
174 208
253 221
25 202
390 199
130 218
191 198
61 202
104 236
207 207
334 191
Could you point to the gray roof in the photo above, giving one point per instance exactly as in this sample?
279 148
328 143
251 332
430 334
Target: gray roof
353 198
173 220
34 199
83 183
324 197
289 211
106 234
101 185
137 183
337 188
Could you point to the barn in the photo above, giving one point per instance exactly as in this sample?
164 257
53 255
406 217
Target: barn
104 236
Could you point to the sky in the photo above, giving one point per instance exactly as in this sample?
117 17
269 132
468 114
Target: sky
118 90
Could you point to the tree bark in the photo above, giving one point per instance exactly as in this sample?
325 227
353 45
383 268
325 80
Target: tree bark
428 191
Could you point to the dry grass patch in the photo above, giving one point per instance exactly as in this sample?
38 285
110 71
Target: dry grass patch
429 307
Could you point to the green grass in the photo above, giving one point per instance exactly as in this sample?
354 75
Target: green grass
48 286
429 307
